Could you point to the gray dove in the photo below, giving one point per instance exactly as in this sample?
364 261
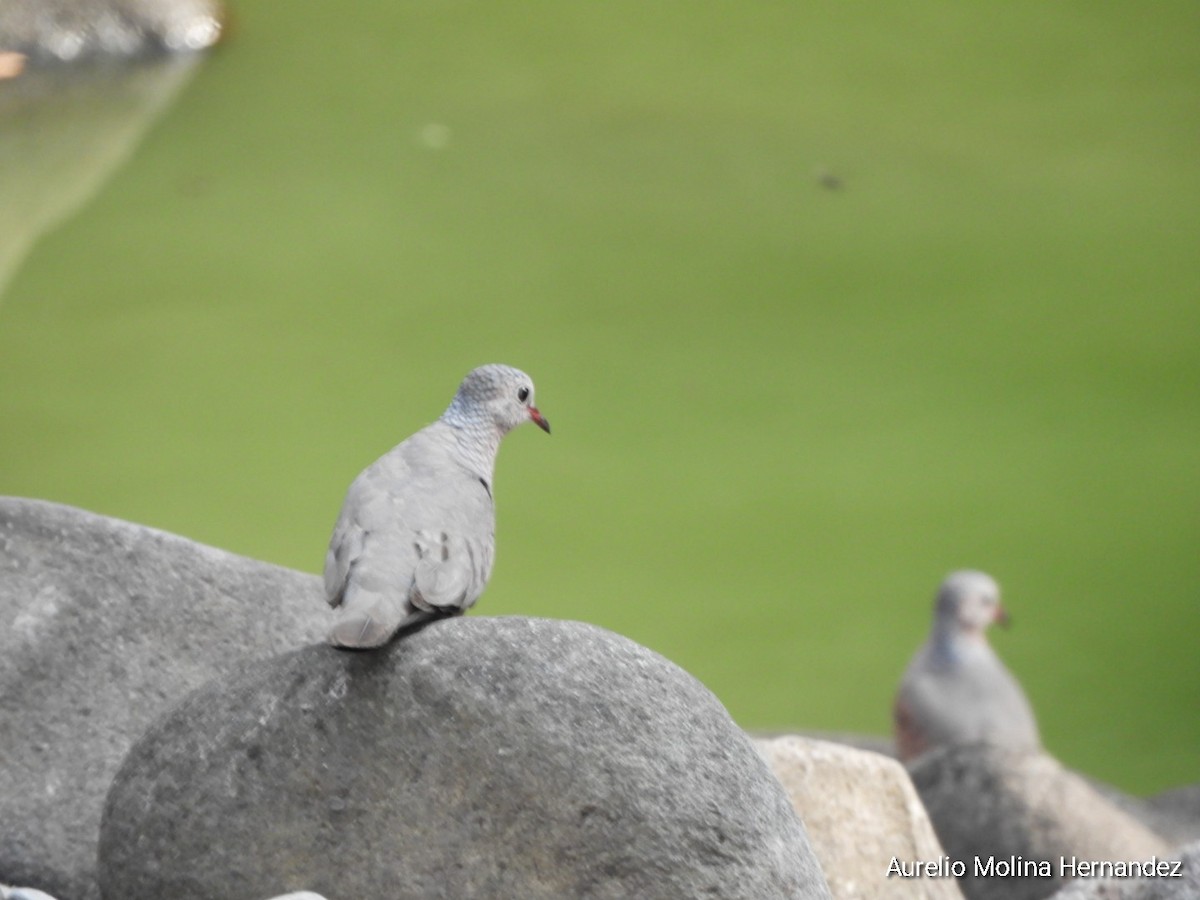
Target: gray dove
956 690
416 536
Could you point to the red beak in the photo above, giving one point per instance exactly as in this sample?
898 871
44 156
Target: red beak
538 419
1002 617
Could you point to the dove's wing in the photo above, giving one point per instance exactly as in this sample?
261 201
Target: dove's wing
369 564
925 707
370 509
344 547
451 570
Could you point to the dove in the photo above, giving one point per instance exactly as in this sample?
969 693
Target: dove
956 690
415 539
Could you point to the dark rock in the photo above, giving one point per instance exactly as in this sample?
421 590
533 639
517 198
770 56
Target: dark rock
1170 886
108 624
479 757
989 803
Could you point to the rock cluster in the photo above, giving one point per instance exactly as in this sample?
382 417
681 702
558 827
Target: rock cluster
184 691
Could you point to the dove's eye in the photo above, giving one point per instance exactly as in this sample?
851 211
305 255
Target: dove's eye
523 394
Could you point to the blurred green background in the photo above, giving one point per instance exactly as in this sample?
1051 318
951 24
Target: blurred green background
822 300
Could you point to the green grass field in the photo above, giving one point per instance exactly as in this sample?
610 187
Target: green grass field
781 412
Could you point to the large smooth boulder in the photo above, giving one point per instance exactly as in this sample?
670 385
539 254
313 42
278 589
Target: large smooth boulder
479 757
987 803
861 811
106 625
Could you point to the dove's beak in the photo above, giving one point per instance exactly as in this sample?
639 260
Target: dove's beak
1002 617
538 419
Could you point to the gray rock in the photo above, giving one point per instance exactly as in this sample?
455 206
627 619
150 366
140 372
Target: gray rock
1186 886
860 810
71 30
479 757
1174 815
107 624
987 802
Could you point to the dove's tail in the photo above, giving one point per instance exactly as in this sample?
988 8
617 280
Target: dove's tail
362 627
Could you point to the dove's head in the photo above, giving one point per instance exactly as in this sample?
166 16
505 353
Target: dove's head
497 396
968 602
